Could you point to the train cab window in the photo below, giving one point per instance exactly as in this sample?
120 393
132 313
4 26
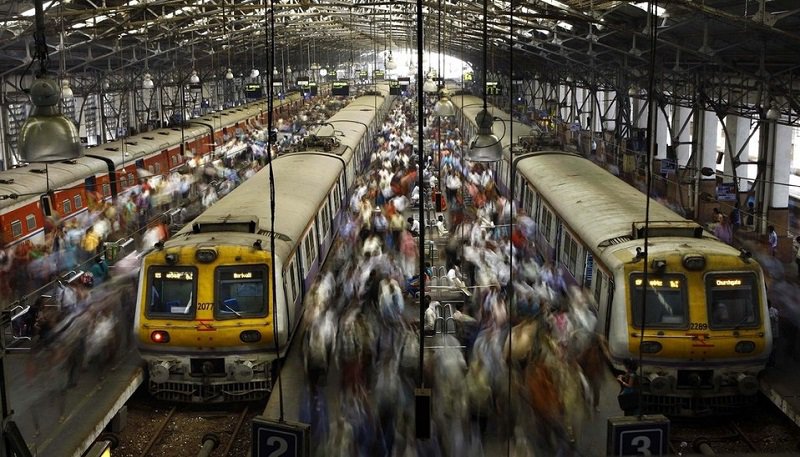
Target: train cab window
665 305
30 221
16 229
732 300
241 291
66 206
172 292
79 202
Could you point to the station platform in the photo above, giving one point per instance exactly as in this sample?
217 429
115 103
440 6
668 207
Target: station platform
69 420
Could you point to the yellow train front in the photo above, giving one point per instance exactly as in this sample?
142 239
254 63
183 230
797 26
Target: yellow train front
205 320
707 332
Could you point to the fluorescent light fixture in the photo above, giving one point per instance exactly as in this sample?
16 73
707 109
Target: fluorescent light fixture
564 25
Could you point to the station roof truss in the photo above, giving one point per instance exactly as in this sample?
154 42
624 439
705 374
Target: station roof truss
737 56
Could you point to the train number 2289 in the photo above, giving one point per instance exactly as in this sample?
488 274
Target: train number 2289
205 306
698 326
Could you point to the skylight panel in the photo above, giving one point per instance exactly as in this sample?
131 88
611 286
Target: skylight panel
645 7
32 12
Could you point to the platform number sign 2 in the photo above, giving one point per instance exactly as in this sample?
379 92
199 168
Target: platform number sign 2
629 436
272 438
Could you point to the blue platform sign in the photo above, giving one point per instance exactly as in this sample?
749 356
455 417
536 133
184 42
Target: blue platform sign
272 438
631 436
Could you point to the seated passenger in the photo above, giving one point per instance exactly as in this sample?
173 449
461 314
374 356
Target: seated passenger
440 226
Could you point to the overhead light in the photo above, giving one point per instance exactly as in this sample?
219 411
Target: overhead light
105 85
274 71
229 74
633 91
147 81
254 73
194 79
429 86
390 63
288 70
484 146
314 66
773 113
66 91
444 107
323 72
47 135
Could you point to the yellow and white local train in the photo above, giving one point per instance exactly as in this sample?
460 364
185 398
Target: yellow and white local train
706 333
206 324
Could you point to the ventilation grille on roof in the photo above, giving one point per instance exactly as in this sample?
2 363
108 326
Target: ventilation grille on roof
656 229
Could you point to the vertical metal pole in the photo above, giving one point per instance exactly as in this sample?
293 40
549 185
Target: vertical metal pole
421 162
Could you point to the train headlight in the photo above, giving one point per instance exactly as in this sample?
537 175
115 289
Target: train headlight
694 262
171 258
159 372
243 372
250 336
745 347
650 347
205 255
747 384
159 336
660 385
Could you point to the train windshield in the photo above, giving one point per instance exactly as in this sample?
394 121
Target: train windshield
732 300
665 305
241 291
172 292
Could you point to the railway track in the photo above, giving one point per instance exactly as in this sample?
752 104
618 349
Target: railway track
156 430
760 430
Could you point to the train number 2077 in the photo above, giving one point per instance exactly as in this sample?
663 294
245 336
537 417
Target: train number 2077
698 326
204 306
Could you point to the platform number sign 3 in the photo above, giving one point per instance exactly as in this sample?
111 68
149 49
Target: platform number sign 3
629 436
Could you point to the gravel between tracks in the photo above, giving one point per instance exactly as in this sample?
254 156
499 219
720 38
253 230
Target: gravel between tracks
185 430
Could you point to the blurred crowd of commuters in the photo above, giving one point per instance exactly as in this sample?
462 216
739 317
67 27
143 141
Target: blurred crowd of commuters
359 327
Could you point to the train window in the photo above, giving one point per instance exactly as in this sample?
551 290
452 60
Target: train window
16 229
78 201
732 300
665 304
157 168
599 277
570 254
131 180
106 191
30 221
123 182
172 292
151 169
293 274
66 206
241 291
547 224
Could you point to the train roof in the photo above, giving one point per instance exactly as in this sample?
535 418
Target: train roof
33 179
603 210
504 126
302 180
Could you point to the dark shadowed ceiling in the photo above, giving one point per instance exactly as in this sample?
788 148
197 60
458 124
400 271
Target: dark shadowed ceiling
723 47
